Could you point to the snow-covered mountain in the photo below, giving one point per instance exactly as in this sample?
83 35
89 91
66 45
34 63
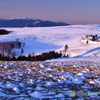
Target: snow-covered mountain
28 22
1 19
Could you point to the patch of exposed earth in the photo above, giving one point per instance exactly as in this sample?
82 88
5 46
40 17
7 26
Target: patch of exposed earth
21 80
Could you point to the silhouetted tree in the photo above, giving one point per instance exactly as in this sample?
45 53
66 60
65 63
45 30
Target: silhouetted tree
12 46
66 47
17 40
19 44
9 52
29 57
22 51
87 41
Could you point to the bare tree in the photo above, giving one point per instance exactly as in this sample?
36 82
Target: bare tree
23 44
13 54
66 47
3 49
22 51
9 52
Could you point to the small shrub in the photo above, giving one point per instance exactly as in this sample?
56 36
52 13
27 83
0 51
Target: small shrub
3 31
87 41
17 40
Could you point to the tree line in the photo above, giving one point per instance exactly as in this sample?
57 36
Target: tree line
42 57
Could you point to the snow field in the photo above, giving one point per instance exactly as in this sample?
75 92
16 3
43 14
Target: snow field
44 39
42 80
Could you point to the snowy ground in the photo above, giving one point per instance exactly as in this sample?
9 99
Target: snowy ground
44 39
54 78
23 80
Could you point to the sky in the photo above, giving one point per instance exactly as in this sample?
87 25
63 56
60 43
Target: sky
68 11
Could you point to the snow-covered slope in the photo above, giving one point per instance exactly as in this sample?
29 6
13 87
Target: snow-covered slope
44 39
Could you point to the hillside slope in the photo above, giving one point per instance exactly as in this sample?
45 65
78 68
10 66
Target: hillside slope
45 39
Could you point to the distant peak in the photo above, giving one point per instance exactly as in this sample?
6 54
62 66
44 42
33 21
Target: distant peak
26 18
22 18
1 18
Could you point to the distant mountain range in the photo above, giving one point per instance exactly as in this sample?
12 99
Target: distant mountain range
28 22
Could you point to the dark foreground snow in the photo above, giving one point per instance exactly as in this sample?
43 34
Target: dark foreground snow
23 80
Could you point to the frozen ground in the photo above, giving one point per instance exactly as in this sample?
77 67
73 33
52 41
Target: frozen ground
23 80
